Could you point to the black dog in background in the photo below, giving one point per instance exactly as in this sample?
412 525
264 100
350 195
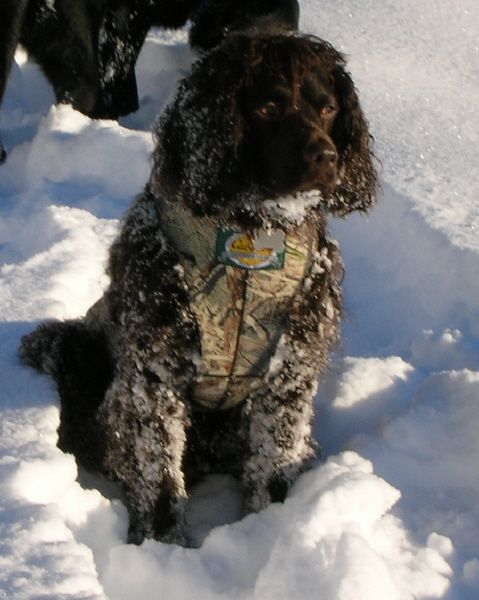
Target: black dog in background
215 19
88 48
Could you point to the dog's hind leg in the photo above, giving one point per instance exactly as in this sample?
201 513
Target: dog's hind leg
79 361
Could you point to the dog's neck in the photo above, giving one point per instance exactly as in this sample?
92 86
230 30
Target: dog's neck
252 211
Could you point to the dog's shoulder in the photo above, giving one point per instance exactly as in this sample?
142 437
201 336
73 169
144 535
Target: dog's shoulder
142 219
141 245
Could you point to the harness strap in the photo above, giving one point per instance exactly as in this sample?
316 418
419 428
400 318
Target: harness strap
241 298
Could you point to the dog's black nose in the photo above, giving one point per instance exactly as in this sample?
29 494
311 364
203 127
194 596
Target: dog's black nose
321 153
322 161
327 157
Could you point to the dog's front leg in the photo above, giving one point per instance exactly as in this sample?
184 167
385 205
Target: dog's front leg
281 413
280 444
145 424
155 339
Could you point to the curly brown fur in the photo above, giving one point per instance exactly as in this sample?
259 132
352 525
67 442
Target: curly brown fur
153 431
183 153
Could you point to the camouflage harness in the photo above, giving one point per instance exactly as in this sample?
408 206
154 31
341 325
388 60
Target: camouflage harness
241 289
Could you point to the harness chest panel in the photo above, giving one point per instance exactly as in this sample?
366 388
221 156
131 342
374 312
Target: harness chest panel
241 311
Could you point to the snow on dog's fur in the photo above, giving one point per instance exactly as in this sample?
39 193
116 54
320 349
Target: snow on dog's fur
191 362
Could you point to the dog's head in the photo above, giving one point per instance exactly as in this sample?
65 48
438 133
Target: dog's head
261 117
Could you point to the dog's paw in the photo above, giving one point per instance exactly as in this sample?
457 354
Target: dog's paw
278 488
174 535
259 496
256 499
166 524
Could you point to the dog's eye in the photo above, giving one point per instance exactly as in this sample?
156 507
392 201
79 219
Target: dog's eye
328 110
269 110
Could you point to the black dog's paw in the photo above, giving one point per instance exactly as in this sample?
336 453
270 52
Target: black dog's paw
3 154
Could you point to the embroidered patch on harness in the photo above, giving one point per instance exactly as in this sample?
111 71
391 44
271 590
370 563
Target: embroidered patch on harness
264 250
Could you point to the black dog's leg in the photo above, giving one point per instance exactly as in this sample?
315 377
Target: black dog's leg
61 37
145 423
122 33
11 19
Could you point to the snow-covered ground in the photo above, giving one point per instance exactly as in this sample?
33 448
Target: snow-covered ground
392 511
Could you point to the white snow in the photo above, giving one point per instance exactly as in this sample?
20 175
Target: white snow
392 511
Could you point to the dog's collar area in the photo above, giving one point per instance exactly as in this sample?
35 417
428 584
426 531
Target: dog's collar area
247 248
293 209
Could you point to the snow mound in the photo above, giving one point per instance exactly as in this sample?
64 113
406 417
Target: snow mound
333 536
71 147
63 266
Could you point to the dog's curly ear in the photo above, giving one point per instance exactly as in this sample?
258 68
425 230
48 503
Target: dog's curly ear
358 187
197 138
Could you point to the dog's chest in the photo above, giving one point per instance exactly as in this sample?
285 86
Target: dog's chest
241 291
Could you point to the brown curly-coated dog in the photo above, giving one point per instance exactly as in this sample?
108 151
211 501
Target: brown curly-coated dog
205 350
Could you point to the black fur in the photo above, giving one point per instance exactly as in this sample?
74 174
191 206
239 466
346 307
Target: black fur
216 19
141 343
88 48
